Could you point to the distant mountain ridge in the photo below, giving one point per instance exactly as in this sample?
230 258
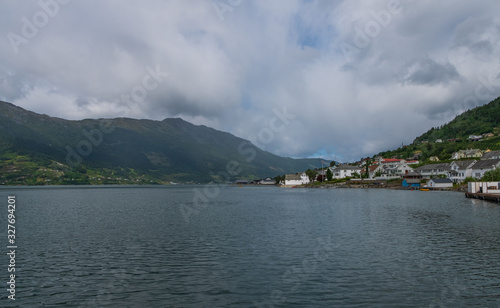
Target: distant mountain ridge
170 150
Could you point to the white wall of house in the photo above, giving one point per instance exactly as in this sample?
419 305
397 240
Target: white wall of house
428 173
343 173
433 184
457 175
479 173
373 173
304 179
484 187
395 169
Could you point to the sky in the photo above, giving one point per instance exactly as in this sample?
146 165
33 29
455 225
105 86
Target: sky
339 80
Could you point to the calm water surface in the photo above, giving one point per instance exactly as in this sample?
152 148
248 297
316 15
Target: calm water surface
252 247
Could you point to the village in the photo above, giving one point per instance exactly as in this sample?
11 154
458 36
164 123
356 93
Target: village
467 167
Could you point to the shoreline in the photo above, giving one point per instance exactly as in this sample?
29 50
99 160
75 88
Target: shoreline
461 189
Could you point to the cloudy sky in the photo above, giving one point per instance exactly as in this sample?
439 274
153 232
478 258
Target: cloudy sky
301 78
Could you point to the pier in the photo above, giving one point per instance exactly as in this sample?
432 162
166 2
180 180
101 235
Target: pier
487 197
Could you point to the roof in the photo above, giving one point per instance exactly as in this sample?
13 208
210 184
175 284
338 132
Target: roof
412 181
412 175
463 164
391 160
471 151
491 154
443 166
347 167
486 163
441 181
292 177
267 181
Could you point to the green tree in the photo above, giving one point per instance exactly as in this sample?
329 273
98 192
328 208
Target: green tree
367 166
311 174
329 174
492 175
279 178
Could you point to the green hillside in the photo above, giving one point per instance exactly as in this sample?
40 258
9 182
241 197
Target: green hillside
477 121
481 120
38 149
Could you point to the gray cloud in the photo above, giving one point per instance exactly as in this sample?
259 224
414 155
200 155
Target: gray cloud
425 71
233 73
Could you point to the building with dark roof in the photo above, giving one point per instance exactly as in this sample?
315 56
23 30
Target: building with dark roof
483 166
440 183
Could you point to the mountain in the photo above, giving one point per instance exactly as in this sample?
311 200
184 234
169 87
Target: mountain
477 121
168 150
445 140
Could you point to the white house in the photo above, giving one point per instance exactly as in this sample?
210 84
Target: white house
433 170
296 179
402 168
343 171
481 167
440 183
412 162
267 181
393 168
460 169
374 170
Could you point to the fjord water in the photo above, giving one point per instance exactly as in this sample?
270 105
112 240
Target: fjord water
253 247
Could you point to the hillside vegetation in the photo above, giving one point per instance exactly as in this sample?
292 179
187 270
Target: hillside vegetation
38 149
455 135
477 121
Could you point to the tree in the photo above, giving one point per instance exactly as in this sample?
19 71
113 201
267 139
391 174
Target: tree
333 163
311 174
367 166
329 174
492 175
356 175
279 178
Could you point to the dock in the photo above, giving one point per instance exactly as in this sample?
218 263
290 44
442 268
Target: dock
487 197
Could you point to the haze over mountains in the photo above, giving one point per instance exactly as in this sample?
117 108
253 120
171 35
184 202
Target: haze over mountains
169 150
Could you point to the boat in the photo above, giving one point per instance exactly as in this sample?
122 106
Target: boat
424 189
